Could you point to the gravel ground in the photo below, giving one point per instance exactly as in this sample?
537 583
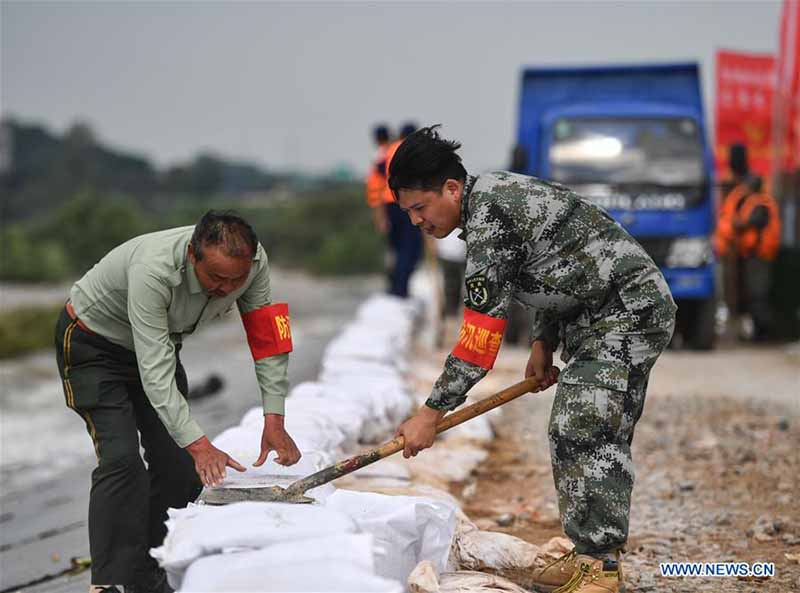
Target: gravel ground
717 456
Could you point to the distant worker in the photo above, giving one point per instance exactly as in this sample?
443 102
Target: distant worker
748 233
405 240
592 289
376 179
117 348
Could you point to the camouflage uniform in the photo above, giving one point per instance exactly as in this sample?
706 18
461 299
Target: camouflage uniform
593 289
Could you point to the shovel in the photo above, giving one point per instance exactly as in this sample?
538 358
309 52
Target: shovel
294 492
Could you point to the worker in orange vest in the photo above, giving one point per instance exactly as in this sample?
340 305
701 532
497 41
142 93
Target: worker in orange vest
749 229
405 240
376 178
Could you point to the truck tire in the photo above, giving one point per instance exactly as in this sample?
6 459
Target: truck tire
703 324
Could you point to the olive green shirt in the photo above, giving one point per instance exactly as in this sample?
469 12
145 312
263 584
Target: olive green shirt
144 295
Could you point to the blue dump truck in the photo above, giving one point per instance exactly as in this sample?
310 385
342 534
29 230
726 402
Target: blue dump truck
633 140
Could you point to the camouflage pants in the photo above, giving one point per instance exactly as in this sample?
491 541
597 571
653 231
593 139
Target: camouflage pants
599 399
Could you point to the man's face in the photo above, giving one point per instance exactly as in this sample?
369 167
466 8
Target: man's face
437 213
220 274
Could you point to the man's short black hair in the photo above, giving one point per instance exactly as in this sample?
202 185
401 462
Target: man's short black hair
425 161
381 133
407 129
226 230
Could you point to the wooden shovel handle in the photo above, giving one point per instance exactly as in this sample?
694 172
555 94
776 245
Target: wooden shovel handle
352 464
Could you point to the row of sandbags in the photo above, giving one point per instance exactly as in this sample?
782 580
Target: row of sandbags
346 540
370 530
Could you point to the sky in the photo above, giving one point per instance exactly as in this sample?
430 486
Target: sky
300 85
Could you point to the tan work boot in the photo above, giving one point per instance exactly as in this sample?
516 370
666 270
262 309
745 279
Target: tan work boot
574 572
555 574
591 578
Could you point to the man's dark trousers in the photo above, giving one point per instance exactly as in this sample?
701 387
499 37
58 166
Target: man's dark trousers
406 241
128 502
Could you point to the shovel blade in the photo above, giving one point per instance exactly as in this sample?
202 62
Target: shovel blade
221 496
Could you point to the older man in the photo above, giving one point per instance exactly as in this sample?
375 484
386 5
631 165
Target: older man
117 346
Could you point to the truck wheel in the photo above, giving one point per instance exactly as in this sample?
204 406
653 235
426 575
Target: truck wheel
701 331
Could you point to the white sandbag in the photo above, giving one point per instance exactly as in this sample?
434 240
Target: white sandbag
424 579
202 530
387 402
388 309
480 550
446 461
556 547
406 529
244 445
334 368
374 344
347 416
390 395
370 484
292 566
477 430
395 487
385 468
309 430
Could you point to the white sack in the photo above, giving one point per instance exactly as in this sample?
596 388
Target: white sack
448 462
244 445
480 550
372 344
344 562
388 309
202 530
478 430
309 430
406 529
425 580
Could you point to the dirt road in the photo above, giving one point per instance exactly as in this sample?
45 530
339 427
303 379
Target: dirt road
717 456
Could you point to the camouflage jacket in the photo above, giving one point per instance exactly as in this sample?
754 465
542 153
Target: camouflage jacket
564 258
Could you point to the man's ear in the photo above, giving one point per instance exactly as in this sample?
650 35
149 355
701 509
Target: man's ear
190 252
453 188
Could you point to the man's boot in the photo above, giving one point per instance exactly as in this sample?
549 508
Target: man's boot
575 573
594 576
555 574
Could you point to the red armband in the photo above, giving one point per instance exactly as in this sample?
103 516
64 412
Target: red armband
480 338
268 331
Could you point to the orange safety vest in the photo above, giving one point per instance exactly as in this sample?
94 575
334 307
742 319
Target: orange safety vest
748 241
376 178
388 196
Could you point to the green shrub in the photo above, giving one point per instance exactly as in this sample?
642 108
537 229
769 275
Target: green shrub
24 259
27 329
88 227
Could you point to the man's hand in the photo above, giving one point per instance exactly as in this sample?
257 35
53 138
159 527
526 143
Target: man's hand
275 438
540 365
210 462
419 431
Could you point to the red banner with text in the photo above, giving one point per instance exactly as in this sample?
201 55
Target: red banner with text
787 96
745 95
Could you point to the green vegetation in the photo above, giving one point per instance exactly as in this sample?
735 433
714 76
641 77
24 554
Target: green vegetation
27 329
68 200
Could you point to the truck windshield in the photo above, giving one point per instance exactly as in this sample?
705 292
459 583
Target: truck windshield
659 151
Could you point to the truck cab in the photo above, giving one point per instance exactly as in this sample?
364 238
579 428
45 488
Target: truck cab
633 140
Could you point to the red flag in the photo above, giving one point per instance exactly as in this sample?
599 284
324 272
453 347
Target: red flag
787 96
745 89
